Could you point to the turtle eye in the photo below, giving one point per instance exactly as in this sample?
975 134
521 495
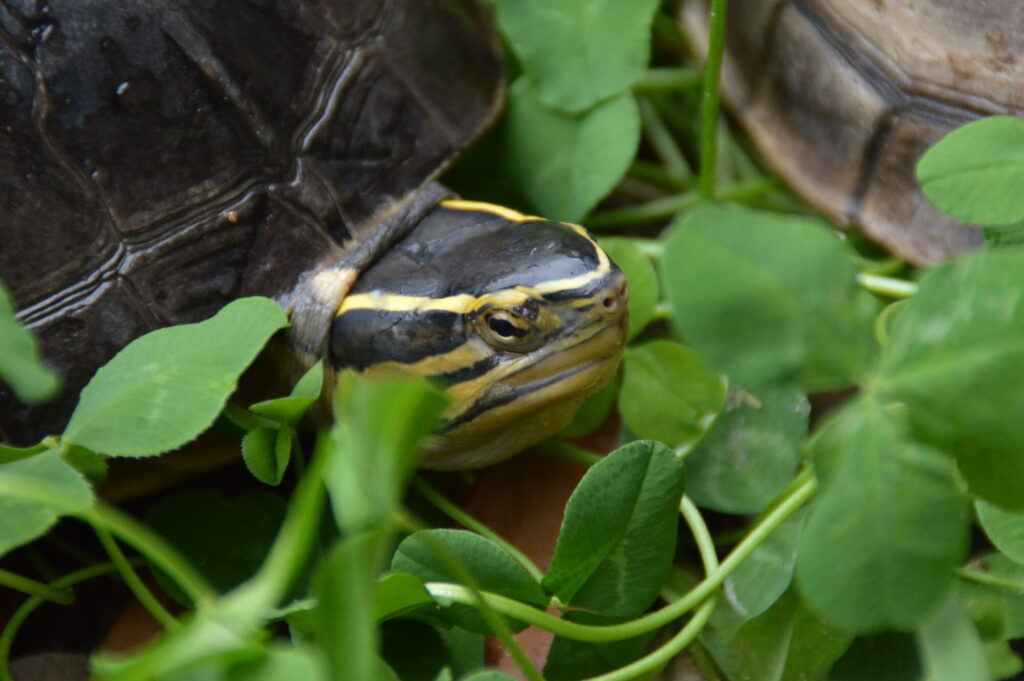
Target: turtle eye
508 331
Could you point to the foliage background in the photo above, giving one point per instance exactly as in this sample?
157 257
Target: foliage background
880 538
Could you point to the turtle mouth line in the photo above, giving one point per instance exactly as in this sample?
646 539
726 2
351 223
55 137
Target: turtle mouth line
588 369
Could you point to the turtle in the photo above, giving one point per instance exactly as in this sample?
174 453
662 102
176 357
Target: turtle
842 97
160 158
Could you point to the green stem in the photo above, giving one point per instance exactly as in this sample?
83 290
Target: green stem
564 450
655 174
244 419
662 142
28 607
294 540
651 211
701 535
709 100
131 578
481 601
664 654
990 579
652 248
674 78
661 209
662 311
889 287
471 523
797 497
156 549
36 589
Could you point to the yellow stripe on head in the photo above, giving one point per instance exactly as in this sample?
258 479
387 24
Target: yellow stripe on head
493 208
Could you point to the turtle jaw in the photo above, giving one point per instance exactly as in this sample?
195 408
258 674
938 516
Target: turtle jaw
535 398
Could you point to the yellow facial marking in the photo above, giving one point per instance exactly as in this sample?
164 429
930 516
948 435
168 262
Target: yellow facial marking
393 302
484 207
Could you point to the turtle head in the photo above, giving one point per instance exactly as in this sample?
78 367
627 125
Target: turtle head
518 317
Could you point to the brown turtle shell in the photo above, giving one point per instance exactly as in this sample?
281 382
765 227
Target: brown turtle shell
843 97
159 158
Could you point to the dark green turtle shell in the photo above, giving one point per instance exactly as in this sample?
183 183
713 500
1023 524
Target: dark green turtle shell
844 96
159 158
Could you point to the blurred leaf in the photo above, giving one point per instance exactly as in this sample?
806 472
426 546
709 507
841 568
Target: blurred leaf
1004 235
643 280
1002 661
997 612
769 298
413 650
266 452
976 172
290 409
165 388
8 453
1004 528
377 429
399 593
752 451
34 492
766 574
428 554
433 556
300 661
229 538
786 642
618 535
579 52
566 163
20 367
889 527
90 464
956 358
488 675
669 393
344 615
950 646
206 644
886 657
465 650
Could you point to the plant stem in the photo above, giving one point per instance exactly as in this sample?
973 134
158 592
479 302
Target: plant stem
709 100
156 549
25 609
990 579
796 498
131 578
651 211
661 209
469 522
674 78
701 535
664 654
564 450
37 589
652 248
662 311
479 599
655 174
295 538
662 142
889 287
